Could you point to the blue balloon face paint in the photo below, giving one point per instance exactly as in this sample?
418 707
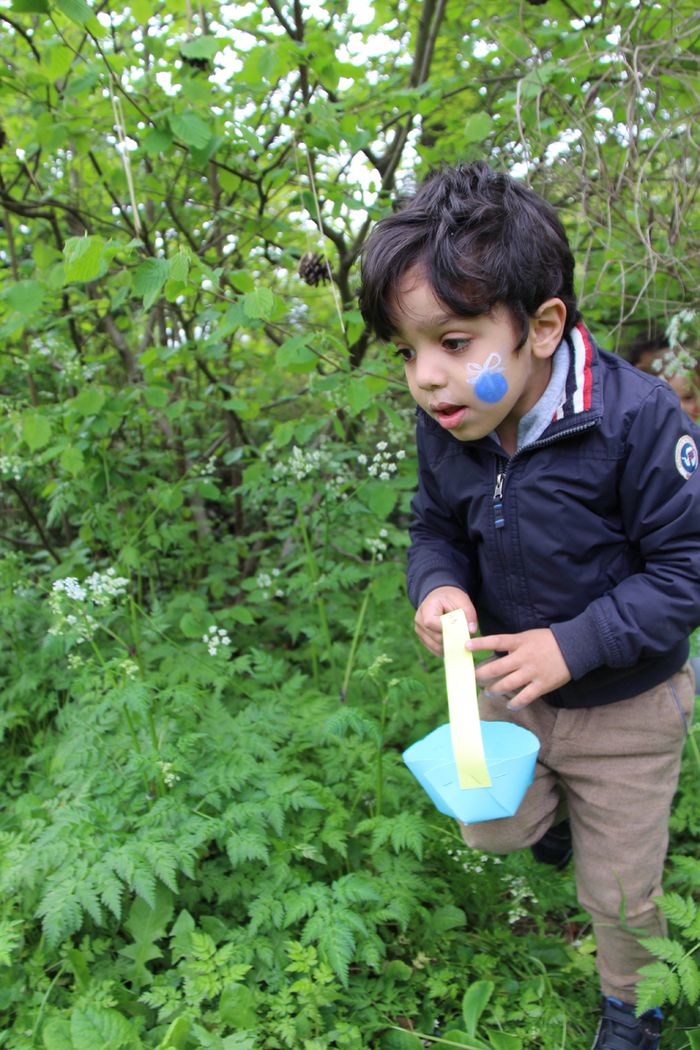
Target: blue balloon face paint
491 387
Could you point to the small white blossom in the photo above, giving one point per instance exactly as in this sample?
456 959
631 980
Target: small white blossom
215 638
168 773
11 467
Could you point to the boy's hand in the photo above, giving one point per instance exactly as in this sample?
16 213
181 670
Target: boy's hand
439 601
533 665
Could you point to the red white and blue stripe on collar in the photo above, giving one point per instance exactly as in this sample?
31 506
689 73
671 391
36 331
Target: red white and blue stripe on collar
579 382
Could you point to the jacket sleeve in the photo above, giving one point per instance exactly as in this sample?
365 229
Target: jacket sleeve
659 496
439 552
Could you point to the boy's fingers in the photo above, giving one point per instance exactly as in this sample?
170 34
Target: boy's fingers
497 642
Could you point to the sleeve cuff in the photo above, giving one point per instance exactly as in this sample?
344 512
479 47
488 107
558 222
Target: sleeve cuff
581 644
421 588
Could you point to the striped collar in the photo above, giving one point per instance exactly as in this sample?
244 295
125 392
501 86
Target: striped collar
579 393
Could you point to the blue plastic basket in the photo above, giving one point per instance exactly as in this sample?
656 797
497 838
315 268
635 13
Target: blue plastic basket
510 752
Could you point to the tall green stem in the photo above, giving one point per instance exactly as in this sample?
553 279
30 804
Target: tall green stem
356 638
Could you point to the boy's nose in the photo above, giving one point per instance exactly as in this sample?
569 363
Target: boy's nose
430 371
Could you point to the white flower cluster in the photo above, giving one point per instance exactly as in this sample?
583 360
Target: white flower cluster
129 668
383 463
471 862
103 587
168 773
214 638
206 470
521 896
99 589
84 625
299 464
11 467
266 581
378 546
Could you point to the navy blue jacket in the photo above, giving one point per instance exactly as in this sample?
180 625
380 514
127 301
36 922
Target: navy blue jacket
592 530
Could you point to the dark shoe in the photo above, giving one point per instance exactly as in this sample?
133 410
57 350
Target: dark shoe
619 1029
555 846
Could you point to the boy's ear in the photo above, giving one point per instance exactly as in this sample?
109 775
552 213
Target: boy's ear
547 327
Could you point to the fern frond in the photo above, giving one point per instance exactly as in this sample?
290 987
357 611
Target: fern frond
681 911
689 976
664 948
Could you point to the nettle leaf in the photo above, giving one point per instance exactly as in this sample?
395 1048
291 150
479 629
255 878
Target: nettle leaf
36 430
83 258
56 1035
149 279
158 140
89 401
26 297
258 304
190 129
100 1026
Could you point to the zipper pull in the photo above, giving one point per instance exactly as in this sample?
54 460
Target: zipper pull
499 520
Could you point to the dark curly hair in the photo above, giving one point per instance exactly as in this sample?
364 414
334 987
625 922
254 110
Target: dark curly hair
481 238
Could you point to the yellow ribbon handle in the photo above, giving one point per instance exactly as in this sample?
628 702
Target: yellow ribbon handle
465 726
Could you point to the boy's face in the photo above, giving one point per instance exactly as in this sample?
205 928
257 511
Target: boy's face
464 372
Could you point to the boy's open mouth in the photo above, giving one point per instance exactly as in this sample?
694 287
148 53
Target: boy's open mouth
448 415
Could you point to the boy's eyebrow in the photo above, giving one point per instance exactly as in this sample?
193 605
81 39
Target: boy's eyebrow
436 321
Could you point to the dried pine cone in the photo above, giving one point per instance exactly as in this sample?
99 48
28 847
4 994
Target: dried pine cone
313 269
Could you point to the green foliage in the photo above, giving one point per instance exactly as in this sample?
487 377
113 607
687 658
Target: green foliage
208 667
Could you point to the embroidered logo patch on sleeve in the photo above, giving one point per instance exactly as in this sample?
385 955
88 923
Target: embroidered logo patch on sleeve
686 456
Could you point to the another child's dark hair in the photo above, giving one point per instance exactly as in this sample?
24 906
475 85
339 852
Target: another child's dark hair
482 238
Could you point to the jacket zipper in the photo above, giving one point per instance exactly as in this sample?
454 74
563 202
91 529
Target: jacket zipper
498 512
498 519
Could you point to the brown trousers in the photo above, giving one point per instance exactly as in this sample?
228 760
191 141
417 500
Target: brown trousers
616 768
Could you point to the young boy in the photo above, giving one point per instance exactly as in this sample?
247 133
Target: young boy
558 507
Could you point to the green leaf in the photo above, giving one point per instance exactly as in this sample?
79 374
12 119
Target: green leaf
237 1006
83 258
72 461
401 1040
89 401
100 1026
381 497
295 356
26 297
149 279
158 140
176 1036
156 396
259 303
477 127
190 129
77 10
30 7
202 47
194 624
56 1035
36 430
474 1003
689 976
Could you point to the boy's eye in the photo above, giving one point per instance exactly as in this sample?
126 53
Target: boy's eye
456 343
405 352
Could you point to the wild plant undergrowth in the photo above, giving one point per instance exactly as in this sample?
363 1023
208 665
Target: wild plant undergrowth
209 838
